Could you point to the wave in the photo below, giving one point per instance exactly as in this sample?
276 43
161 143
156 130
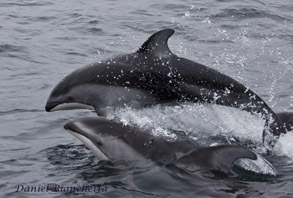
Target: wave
11 48
247 13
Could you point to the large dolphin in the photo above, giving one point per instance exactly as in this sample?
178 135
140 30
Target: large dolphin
114 141
153 75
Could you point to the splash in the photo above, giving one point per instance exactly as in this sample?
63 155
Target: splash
208 125
284 145
198 121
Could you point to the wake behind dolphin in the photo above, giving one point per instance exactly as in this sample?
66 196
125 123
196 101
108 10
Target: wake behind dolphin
154 75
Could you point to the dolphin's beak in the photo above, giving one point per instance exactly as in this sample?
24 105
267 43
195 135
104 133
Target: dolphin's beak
51 105
55 106
75 128
72 126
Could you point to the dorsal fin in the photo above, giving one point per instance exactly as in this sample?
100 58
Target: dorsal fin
158 43
218 158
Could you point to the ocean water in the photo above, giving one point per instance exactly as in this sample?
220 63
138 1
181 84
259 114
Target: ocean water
43 41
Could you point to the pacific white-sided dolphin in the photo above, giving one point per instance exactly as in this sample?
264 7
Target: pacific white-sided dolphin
153 75
113 141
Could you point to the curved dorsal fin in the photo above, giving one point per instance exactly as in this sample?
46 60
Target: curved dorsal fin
158 43
219 157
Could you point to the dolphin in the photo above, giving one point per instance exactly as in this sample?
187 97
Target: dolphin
154 75
110 140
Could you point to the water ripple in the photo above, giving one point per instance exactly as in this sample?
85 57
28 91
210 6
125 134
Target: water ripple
33 4
247 13
4 48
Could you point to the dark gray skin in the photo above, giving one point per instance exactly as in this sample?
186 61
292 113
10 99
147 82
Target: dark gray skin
120 142
287 120
154 75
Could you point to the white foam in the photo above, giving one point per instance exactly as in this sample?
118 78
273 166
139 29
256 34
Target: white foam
201 122
196 120
284 145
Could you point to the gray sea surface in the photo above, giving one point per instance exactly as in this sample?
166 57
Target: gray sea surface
43 41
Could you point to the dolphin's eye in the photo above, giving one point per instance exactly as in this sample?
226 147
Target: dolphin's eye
70 98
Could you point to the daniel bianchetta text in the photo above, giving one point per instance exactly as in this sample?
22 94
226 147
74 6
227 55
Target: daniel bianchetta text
59 188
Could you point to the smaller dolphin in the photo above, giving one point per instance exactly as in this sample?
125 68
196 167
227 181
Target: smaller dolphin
110 140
